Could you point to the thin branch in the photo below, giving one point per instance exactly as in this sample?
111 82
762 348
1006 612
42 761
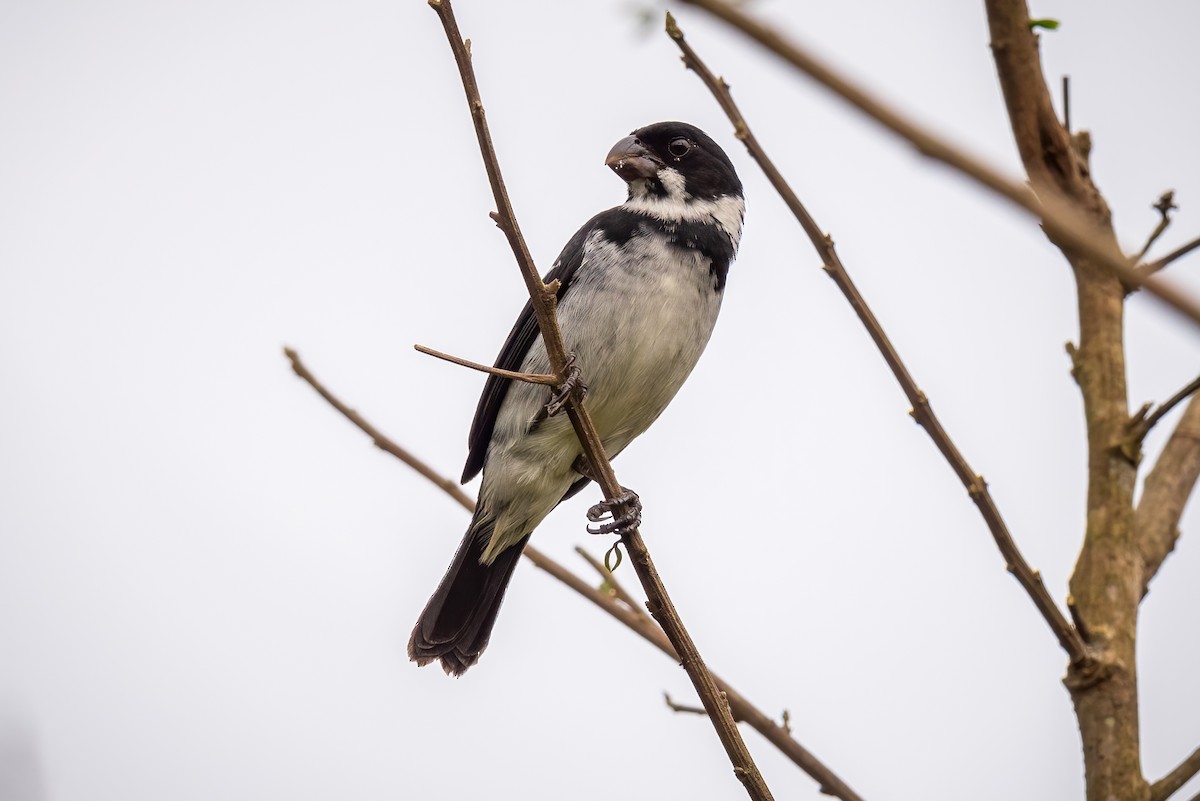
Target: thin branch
1143 420
530 378
1066 89
676 707
1068 637
1168 785
1057 214
377 438
631 616
1143 423
611 582
1166 492
1158 264
543 301
1164 207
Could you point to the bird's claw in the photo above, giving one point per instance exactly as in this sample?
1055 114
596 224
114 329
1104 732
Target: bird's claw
571 385
625 510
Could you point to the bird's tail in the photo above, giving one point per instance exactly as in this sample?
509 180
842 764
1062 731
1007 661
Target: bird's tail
457 622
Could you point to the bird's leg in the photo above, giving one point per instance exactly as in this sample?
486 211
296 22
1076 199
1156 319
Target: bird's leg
626 512
571 384
625 509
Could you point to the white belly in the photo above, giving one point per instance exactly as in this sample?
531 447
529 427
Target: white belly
637 327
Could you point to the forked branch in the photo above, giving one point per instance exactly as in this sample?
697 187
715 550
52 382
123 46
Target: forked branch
543 300
1179 252
1067 635
1164 207
1145 419
625 611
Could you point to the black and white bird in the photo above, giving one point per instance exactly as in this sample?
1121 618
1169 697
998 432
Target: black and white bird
640 288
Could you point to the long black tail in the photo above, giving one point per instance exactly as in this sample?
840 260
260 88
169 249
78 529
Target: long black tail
457 621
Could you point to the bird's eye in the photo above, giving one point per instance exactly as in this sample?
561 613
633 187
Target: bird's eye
679 147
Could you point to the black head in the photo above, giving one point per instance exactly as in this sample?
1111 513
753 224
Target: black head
667 158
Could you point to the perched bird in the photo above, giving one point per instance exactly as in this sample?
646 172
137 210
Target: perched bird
640 288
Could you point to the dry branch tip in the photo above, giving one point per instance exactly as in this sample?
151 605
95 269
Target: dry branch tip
544 379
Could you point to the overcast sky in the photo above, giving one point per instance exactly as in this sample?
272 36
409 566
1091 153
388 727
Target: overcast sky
207 577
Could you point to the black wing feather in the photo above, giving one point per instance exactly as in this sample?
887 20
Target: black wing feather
512 354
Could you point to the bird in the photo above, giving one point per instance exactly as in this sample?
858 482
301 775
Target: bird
640 287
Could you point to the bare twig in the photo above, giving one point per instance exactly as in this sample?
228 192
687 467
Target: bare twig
1141 423
1066 89
1059 217
380 441
632 616
676 707
543 301
1158 264
1068 637
531 378
1168 785
1164 207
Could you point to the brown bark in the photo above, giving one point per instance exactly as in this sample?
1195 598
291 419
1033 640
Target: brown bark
1106 584
1166 492
1119 553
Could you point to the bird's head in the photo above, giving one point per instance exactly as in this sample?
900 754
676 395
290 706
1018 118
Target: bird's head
675 171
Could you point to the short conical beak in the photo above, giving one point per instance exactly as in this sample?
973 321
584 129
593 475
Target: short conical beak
631 160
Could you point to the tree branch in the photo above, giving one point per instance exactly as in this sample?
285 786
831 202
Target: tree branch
1158 264
1168 785
1172 402
1142 422
677 707
377 438
1166 491
543 300
1106 581
1057 214
1164 207
630 615
1068 637
531 378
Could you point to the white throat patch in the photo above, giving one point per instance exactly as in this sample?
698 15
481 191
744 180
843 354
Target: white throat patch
679 206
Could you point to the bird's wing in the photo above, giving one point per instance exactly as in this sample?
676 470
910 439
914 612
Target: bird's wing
519 341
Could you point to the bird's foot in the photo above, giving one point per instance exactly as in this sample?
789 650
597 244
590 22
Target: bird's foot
572 385
625 510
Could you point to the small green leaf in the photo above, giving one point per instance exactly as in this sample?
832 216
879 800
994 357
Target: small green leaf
616 549
1048 24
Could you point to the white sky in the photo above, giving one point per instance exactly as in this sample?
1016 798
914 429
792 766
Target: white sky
207 577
